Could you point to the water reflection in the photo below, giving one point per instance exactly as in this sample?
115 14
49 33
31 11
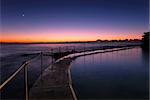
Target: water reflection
145 57
119 74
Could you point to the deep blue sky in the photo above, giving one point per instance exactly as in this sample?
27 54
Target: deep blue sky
97 16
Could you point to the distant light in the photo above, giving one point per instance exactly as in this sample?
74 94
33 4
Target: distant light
22 15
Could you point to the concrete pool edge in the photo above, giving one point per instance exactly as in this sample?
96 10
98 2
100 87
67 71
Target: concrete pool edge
70 83
55 83
67 61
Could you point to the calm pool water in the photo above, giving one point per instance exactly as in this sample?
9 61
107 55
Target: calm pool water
118 74
13 55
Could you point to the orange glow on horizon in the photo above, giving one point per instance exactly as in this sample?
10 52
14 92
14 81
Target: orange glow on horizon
65 37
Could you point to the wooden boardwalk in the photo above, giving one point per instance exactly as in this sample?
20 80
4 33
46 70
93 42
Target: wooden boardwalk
54 84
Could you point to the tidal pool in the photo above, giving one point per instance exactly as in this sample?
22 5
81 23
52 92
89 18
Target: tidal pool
113 75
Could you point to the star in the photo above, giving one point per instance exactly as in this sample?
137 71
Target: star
22 15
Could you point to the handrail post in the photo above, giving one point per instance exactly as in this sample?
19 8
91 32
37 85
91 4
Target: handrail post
59 49
74 50
66 48
52 54
84 49
26 82
41 66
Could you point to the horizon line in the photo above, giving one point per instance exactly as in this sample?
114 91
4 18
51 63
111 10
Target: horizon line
76 41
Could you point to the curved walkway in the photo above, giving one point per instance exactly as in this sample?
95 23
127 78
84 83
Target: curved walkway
55 83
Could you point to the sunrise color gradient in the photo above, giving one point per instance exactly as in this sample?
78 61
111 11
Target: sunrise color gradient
73 20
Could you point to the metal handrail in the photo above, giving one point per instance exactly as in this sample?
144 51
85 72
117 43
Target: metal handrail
26 83
24 65
12 76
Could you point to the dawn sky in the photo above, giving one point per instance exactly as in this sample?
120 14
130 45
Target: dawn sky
73 20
